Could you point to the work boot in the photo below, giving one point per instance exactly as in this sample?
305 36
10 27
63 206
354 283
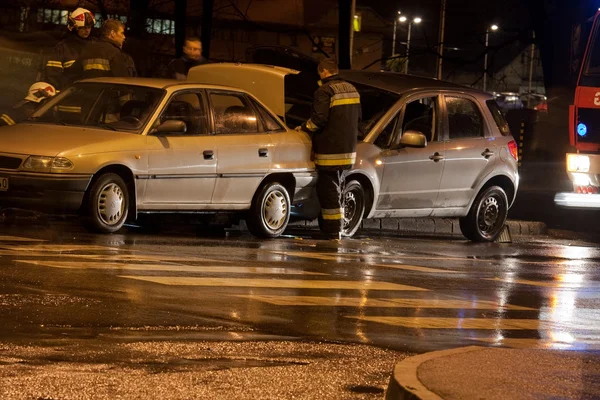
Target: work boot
327 236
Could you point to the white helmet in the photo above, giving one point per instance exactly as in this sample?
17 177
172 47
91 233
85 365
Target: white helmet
80 18
40 91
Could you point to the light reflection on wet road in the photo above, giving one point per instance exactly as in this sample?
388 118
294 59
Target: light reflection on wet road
405 294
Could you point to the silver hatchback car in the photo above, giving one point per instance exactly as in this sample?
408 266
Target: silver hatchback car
427 148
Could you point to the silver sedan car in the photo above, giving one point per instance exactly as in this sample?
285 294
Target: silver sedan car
112 149
427 148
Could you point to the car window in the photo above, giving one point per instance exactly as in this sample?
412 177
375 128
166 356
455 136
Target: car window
419 115
233 113
464 118
385 138
270 123
188 108
498 117
111 106
374 103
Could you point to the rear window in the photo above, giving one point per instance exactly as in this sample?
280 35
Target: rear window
498 117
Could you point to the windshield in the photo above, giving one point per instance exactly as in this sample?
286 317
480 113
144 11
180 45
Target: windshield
582 35
103 105
374 104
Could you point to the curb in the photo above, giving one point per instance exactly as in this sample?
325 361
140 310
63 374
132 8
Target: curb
438 226
404 382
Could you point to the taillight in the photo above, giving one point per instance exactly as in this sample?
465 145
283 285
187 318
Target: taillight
512 148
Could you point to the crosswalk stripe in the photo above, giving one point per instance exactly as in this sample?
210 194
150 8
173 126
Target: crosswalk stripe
456 323
416 268
387 303
165 267
274 283
58 248
554 284
19 239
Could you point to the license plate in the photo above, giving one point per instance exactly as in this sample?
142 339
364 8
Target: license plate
3 184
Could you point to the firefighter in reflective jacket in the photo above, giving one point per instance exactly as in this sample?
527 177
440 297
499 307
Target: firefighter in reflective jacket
59 71
38 93
105 57
334 127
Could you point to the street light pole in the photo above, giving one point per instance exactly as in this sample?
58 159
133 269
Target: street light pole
485 57
394 37
416 20
441 39
407 48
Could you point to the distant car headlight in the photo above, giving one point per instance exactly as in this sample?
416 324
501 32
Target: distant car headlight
45 164
578 163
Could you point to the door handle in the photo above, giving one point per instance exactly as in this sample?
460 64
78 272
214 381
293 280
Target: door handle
208 155
487 153
436 157
263 152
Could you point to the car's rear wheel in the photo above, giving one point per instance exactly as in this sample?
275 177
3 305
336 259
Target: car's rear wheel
487 215
270 212
107 204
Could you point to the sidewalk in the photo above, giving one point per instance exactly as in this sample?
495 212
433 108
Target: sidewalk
429 226
496 373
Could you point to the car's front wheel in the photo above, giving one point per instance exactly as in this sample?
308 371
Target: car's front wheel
107 204
354 207
487 215
270 212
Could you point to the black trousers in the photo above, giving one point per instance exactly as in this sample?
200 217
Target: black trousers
330 189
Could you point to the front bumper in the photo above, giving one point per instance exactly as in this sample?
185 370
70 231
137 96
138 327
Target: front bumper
578 200
48 193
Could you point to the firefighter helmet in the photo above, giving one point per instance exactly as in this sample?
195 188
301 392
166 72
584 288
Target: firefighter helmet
80 18
40 91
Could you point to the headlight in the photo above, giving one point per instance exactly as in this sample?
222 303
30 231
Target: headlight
578 163
38 163
45 164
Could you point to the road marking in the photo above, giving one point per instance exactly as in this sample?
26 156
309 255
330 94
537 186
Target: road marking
19 239
416 268
58 248
274 283
553 284
166 267
541 343
455 323
117 257
387 303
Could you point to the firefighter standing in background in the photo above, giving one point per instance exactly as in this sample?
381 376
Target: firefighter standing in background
105 57
334 127
38 93
59 71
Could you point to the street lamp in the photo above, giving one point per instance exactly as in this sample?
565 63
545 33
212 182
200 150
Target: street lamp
494 27
394 39
416 20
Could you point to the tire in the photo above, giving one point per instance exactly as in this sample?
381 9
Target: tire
107 204
354 208
487 215
270 211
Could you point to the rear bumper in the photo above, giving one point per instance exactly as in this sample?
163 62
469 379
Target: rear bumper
578 200
49 193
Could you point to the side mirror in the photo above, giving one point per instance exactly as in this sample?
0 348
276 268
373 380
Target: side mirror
413 139
171 126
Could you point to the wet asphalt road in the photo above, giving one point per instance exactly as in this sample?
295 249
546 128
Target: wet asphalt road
178 315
